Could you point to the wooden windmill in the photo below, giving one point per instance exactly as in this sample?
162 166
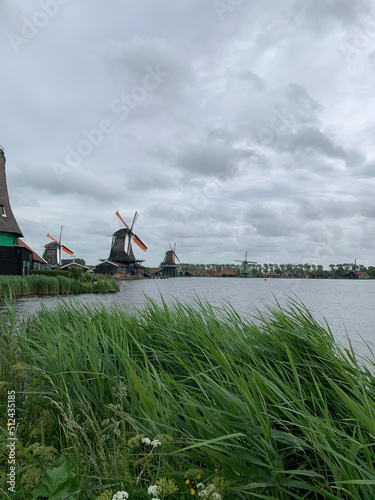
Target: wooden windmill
169 263
121 248
13 258
245 271
52 253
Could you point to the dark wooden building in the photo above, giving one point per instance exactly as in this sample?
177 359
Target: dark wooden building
169 266
37 261
51 253
14 258
73 265
120 268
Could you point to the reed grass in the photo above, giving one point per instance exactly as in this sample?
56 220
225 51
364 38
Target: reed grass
267 408
40 284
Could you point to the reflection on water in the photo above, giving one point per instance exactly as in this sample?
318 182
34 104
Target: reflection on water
348 306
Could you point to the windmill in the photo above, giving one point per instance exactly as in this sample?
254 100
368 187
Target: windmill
245 271
121 248
169 263
13 260
52 252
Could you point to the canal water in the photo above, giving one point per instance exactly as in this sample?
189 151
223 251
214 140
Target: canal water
348 306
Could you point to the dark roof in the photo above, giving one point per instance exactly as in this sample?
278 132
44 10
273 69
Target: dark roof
36 257
117 264
70 264
8 223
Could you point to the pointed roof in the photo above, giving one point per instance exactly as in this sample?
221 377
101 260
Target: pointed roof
8 223
71 264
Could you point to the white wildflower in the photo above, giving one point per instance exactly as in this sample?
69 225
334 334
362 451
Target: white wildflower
120 495
155 443
200 485
153 490
216 496
146 440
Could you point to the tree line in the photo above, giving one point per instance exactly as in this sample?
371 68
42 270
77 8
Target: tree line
305 270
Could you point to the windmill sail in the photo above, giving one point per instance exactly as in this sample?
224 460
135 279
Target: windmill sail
63 247
135 238
122 240
52 253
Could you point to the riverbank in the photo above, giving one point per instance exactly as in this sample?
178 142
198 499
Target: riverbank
38 284
180 397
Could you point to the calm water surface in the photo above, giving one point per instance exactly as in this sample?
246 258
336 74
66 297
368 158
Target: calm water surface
348 306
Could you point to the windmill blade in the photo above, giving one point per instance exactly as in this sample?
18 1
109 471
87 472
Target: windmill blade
67 250
134 221
139 242
174 251
121 219
174 256
52 238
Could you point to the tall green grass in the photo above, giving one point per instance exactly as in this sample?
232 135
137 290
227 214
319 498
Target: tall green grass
271 408
58 284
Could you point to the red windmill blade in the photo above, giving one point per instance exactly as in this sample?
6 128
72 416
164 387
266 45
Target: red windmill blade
63 247
135 238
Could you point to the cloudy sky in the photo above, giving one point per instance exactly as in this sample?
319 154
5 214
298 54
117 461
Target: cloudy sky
229 125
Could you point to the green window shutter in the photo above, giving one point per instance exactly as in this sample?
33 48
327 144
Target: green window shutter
7 239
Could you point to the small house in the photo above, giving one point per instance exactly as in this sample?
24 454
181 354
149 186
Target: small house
37 261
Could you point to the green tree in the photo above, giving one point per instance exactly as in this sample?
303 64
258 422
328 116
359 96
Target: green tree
340 271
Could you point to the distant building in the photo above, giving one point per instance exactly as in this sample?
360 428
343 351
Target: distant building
362 275
228 273
155 272
351 275
51 253
119 269
71 265
272 274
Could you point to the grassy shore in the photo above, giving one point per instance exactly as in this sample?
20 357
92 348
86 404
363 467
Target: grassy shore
180 401
39 284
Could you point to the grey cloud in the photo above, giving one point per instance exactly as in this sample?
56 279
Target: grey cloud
329 209
318 13
325 208
213 160
132 57
77 182
272 221
253 79
143 180
366 170
310 140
